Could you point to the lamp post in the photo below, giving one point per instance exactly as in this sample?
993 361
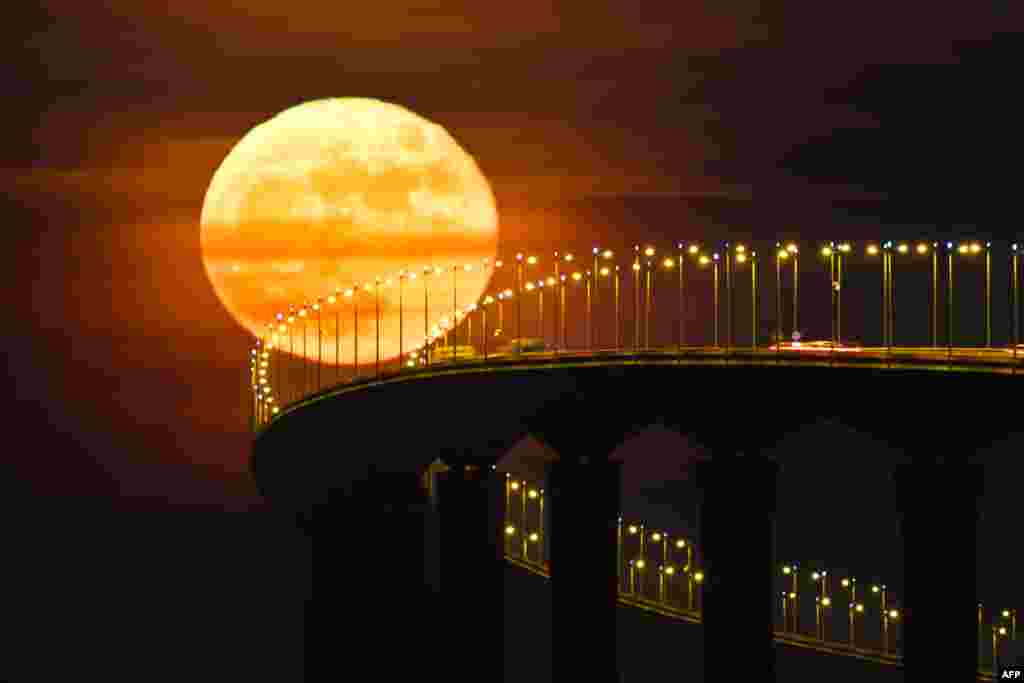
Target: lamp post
589 313
606 272
988 295
795 251
607 255
714 261
1011 616
305 356
820 579
519 296
333 300
829 251
742 257
488 300
649 253
1015 298
997 633
780 256
680 325
376 309
889 615
319 342
577 277
792 571
529 287
593 296
971 249
550 282
728 298
855 609
636 297
935 295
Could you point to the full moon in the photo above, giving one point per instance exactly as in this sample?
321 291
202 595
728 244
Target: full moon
331 195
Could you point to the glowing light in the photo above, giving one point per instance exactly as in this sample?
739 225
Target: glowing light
704 260
962 248
894 614
872 249
787 570
577 276
698 577
632 529
649 251
668 263
844 247
568 257
975 248
740 248
693 249
532 493
922 249
608 253
860 607
903 248
741 258
670 570
640 564
655 537
509 530
846 583
534 537
783 254
515 486
826 601
636 266
791 248
605 271
680 543
531 260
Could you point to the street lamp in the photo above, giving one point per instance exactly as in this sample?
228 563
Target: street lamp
636 297
742 256
1015 253
305 356
1011 616
971 249
793 571
319 342
820 580
649 253
704 260
780 256
792 249
607 255
856 608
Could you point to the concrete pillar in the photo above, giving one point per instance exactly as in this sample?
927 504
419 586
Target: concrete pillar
736 527
471 500
939 503
584 500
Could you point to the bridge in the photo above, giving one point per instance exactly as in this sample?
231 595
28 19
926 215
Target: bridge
581 398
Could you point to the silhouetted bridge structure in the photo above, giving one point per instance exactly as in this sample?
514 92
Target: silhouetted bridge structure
353 454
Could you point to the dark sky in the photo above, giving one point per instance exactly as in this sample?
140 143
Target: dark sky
731 118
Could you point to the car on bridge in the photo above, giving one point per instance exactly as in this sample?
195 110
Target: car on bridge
817 346
526 345
443 354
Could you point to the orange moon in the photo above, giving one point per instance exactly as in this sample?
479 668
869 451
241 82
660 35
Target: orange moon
332 194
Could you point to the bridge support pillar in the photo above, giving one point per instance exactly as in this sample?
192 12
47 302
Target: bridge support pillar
940 630
585 497
471 502
736 532
370 601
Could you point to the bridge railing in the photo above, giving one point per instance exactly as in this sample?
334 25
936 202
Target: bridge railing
661 571
573 309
